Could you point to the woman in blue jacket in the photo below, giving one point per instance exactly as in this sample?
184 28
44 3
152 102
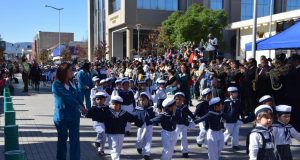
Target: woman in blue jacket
67 108
85 84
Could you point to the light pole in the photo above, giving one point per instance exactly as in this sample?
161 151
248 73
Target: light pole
254 28
58 9
270 25
138 27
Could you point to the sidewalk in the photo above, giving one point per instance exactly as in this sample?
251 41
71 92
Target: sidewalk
38 135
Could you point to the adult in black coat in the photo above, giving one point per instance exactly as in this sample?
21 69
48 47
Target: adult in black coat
292 90
263 84
249 96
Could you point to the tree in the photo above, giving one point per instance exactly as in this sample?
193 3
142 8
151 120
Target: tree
101 50
65 54
81 52
150 44
193 25
43 56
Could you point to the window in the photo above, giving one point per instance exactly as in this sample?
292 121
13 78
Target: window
216 4
115 5
167 5
263 8
292 5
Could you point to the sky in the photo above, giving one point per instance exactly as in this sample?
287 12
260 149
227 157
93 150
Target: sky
20 20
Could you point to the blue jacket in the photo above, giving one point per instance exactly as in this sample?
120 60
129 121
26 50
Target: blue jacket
66 102
167 121
213 120
144 115
182 115
84 79
232 110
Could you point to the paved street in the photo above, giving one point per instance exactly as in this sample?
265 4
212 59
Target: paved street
38 134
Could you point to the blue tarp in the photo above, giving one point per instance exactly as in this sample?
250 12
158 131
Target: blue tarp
288 39
56 51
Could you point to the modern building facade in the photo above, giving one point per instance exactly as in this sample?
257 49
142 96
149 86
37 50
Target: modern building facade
284 14
118 22
46 40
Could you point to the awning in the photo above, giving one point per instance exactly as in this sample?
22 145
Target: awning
288 39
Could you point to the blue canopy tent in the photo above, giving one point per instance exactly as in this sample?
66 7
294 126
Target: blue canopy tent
288 39
56 51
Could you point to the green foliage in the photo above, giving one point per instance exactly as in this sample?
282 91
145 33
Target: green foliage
65 54
193 25
43 56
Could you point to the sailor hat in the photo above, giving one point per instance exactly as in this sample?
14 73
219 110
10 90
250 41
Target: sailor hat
205 91
214 101
262 108
100 94
95 79
232 89
145 94
118 81
265 99
168 102
179 94
116 99
284 109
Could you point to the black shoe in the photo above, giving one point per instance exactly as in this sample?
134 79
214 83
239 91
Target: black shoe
236 148
97 144
147 158
139 150
101 153
185 155
127 133
199 144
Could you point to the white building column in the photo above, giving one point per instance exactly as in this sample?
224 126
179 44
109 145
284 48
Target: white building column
117 45
90 29
129 42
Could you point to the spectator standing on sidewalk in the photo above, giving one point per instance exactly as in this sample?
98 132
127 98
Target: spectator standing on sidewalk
25 72
85 83
67 108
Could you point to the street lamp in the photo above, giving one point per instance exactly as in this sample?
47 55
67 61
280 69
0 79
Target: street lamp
58 9
254 29
138 27
270 25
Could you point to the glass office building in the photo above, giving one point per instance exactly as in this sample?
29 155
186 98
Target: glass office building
292 5
263 8
166 5
216 4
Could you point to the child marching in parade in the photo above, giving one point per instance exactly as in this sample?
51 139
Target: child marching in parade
182 114
168 123
144 112
161 95
232 111
215 137
283 132
95 113
115 121
128 103
202 109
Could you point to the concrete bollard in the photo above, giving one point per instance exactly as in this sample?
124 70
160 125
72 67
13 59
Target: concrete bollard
7 99
8 106
11 138
6 94
10 118
15 155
